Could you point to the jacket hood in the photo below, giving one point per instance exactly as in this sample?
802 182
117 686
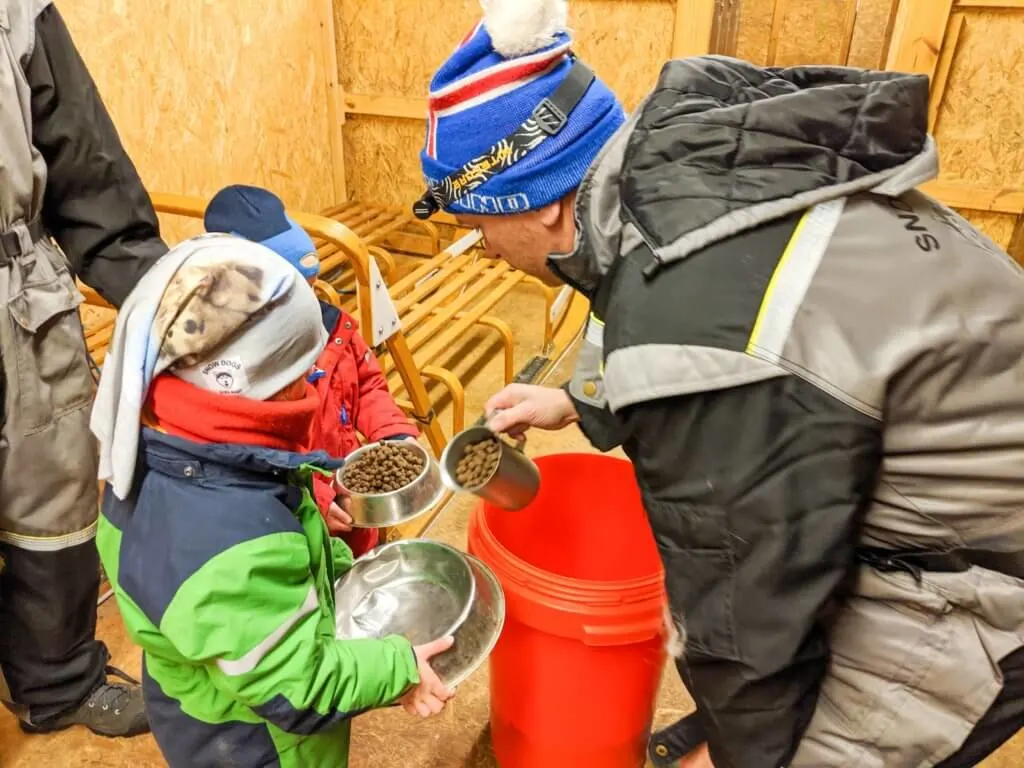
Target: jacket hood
721 146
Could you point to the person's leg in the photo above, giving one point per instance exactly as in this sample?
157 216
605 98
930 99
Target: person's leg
48 650
1004 718
54 668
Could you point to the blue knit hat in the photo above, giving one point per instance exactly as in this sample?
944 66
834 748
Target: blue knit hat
258 215
516 57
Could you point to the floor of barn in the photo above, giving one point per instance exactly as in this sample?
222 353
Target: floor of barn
386 738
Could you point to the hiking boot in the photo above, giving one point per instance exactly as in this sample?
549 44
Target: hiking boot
113 709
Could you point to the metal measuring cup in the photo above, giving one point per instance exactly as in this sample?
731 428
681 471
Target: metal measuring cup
511 485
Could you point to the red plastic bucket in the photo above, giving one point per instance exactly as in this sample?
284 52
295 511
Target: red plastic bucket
575 674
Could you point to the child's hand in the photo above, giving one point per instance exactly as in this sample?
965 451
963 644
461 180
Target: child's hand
338 520
339 517
428 698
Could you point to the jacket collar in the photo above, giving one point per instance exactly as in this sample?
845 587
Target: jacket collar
173 455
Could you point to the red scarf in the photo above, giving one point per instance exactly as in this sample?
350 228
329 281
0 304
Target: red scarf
187 411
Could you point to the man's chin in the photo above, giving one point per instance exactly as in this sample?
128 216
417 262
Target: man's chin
542 273
549 278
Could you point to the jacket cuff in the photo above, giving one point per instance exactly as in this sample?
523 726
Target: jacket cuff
599 425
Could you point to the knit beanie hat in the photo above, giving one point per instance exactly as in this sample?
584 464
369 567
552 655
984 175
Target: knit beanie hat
514 59
258 214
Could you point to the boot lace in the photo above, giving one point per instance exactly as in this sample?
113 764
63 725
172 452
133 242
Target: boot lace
111 695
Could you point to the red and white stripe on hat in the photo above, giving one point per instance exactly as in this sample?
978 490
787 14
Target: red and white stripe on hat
488 84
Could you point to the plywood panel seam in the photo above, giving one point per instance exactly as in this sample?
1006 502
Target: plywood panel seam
335 113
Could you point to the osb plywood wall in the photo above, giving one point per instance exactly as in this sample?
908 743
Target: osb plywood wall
207 93
385 75
979 112
389 49
973 50
387 52
791 32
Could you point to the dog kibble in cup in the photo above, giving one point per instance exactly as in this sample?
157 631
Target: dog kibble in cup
478 462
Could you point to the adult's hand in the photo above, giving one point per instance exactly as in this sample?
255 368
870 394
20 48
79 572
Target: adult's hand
518 407
428 697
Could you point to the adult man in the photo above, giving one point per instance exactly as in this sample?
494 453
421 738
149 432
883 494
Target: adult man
815 369
63 174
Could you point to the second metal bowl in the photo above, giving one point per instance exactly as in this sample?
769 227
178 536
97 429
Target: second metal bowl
424 590
417 588
383 510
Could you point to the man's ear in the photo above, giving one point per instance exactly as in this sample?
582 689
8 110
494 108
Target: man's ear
551 215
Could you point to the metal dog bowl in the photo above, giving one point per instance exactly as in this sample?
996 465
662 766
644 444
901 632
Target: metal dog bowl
383 510
424 590
479 633
417 588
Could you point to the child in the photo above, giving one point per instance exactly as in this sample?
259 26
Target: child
353 391
217 553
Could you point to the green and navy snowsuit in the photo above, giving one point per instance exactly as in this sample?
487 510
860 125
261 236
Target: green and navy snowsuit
224 572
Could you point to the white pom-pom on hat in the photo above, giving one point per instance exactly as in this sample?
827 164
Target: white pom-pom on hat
521 27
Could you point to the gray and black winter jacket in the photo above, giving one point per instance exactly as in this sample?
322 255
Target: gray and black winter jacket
86 192
818 373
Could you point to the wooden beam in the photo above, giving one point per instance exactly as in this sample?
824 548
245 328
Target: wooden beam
918 33
941 79
335 112
1016 246
990 4
695 21
386 106
977 197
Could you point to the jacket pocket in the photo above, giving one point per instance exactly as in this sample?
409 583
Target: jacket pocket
699 575
49 345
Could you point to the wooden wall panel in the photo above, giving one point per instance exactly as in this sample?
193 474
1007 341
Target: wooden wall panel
387 55
627 41
792 32
211 93
975 60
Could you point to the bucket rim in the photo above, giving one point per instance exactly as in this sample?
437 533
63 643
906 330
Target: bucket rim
596 594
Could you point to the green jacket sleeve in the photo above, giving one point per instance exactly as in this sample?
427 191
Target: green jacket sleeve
255 617
341 554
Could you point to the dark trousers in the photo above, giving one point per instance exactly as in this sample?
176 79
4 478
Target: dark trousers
49 656
1004 718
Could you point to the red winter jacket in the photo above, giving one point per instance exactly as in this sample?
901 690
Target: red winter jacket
354 401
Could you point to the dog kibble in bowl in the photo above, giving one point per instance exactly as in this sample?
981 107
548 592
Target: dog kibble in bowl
385 468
